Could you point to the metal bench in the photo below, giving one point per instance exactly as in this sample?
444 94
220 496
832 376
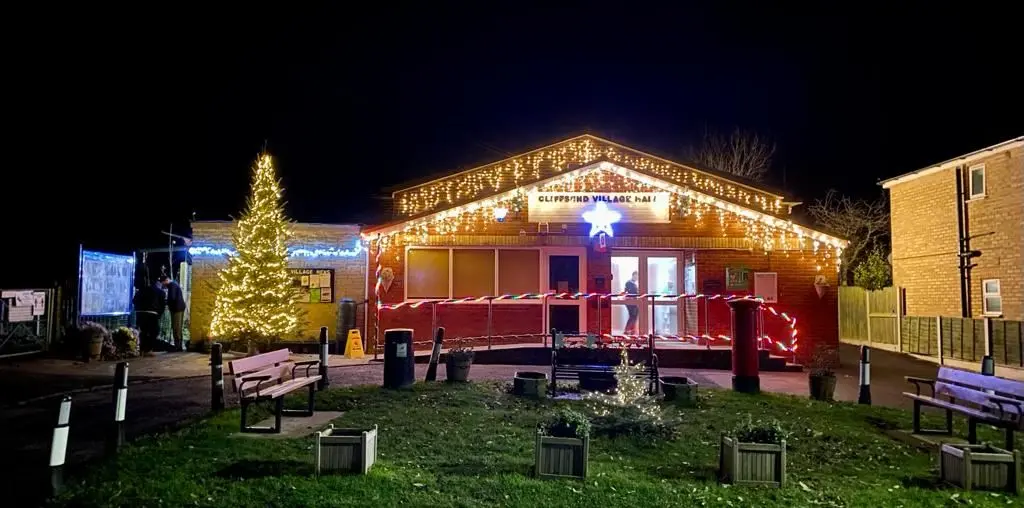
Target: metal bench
571 363
271 376
989 400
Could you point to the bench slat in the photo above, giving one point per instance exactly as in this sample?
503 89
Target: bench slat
257 362
276 391
276 374
1002 386
963 394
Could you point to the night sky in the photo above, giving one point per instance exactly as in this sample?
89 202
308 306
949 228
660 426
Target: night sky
121 122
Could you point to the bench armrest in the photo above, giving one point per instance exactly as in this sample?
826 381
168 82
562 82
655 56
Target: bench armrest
308 364
999 401
917 383
259 380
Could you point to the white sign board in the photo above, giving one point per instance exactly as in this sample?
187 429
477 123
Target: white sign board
766 285
401 350
637 207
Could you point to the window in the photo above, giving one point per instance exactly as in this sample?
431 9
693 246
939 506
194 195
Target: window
472 272
978 181
518 271
992 300
427 273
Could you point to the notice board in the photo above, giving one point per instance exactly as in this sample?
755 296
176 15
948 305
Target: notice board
106 283
314 285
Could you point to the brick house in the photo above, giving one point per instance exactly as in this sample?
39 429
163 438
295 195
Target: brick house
582 217
332 249
934 220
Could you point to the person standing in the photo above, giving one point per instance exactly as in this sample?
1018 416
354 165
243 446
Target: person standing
149 305
634 312
176 305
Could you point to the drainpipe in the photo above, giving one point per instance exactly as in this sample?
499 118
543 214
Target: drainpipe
964 240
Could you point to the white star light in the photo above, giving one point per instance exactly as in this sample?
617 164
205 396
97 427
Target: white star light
601 219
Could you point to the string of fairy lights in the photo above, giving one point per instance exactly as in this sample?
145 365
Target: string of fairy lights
553 160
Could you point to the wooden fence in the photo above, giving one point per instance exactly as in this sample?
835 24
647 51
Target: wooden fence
871 317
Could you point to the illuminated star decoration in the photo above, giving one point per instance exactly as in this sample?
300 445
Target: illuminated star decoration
601 219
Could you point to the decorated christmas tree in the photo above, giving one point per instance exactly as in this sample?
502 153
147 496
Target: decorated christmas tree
255 300
631 392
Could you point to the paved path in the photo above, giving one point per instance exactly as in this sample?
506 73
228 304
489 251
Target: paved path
169 403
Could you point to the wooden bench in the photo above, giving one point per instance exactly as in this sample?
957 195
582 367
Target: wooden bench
571 363
271 376
989 400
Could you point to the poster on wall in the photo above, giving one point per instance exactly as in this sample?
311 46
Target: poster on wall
737 278
314 285
105 283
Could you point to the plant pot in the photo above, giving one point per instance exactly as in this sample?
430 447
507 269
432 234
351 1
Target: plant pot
561 457
597 381
822 387
530 384
457 369
345 450
980 466
679 390
752 463
95 347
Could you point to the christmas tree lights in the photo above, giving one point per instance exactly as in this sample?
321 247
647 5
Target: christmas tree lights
255 299
631 391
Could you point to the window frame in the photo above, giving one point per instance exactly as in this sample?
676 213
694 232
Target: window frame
497 266
985 295
970 182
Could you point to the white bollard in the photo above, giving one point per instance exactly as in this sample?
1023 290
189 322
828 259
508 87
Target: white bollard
116 439
59 446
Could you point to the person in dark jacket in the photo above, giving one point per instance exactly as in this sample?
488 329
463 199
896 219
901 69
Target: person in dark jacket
633 311
149 305
175 304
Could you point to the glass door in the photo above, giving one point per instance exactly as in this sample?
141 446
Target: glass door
647 272
566 273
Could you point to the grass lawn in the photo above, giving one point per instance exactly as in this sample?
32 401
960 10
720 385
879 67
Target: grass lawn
472 445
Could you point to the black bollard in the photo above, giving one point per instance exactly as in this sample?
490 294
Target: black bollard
59 446
116 438
865 376
217 377
322 385
988 366
435 355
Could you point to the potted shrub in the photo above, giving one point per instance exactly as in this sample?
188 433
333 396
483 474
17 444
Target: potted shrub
91 336
457 363
981 466
822 378
754 454
678 389
345 450
563 446
125 342
530 384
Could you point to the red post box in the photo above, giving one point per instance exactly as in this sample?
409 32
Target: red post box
745 378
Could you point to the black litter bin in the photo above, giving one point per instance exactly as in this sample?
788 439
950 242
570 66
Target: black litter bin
399 360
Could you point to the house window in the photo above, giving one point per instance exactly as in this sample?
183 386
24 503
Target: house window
518 271
427 273
978 181
991 297
472 272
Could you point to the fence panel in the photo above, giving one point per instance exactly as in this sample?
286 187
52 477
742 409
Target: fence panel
881 306
1007 346
26 321
853 314
919 335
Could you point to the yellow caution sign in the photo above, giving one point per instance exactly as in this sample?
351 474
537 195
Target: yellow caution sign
354 345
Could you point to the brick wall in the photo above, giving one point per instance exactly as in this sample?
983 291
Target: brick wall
349 273
924 238
996 227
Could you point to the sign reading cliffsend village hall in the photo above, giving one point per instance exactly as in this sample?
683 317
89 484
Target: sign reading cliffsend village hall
639 207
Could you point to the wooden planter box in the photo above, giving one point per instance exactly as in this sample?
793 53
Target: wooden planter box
561 457
530 384
980 466
346 450
752 463
679 390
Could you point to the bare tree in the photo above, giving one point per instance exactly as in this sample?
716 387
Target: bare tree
861 222
742 153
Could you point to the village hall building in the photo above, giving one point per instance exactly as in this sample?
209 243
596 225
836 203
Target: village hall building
587 236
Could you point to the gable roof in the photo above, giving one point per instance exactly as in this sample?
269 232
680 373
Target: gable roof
494 198
956 161
462 187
